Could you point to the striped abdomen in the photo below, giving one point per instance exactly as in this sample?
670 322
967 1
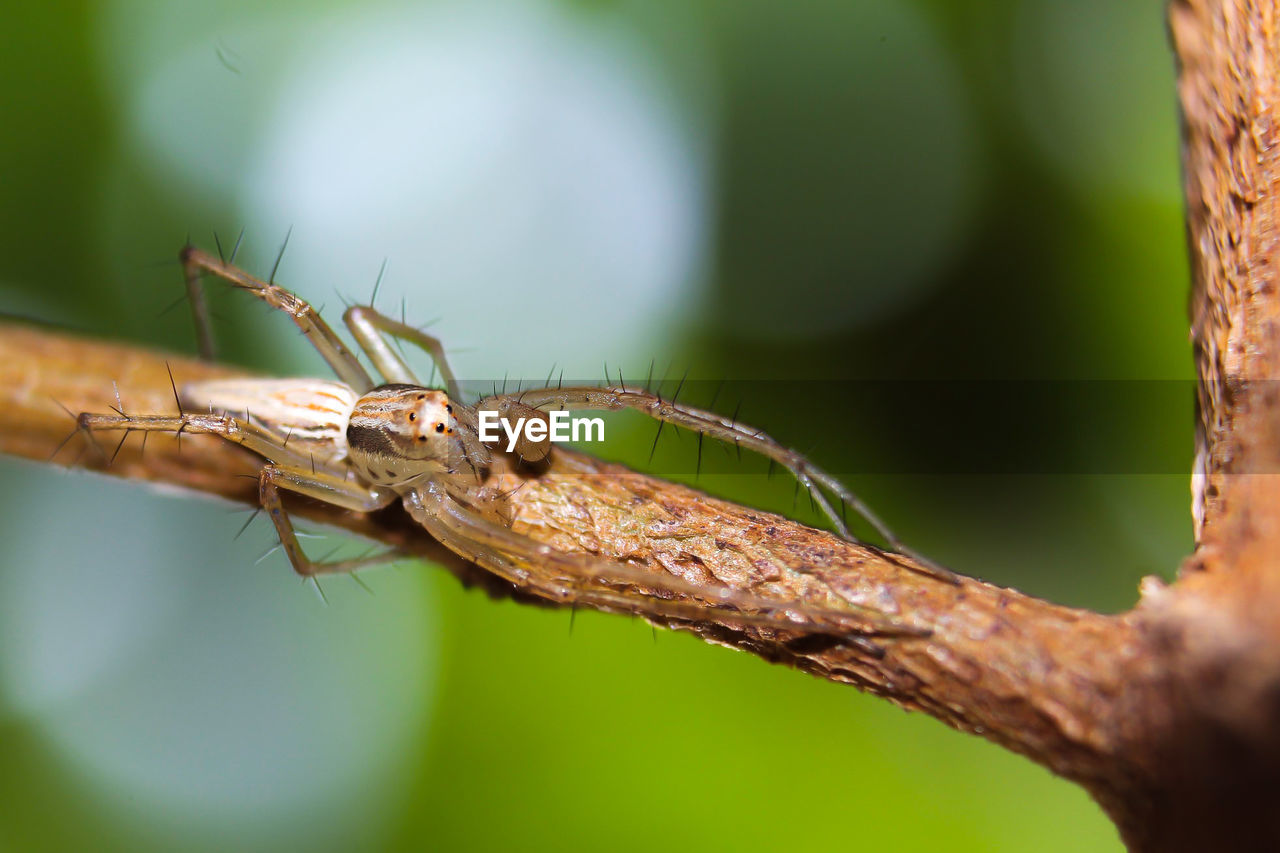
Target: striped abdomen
312 414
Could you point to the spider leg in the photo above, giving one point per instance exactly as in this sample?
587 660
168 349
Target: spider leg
293 469
369 326
578 578
327 488
344 363
814 479
604 599
249 435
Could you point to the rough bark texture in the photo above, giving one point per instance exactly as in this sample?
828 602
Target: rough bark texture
1169 714
1210 751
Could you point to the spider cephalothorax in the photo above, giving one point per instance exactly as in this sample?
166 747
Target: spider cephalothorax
400 432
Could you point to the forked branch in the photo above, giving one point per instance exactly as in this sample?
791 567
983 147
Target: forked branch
1169 714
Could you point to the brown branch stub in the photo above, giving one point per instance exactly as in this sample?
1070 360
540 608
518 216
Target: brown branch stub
1229 82
1032 676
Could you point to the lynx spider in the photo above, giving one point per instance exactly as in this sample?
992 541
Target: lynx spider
361 444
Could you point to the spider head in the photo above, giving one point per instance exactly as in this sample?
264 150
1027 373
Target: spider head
400 432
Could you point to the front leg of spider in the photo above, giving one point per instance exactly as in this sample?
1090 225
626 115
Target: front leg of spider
814 479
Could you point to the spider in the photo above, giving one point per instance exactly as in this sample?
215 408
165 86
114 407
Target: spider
363 444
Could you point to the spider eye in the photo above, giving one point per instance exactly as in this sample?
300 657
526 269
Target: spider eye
448 408
413 416
421 437
439 427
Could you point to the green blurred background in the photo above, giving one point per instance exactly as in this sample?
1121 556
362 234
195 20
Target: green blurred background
819 191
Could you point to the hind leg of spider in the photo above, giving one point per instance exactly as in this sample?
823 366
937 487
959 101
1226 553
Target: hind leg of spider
651 607
247 434
195 263
580 578
370 328
814 479
293 470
